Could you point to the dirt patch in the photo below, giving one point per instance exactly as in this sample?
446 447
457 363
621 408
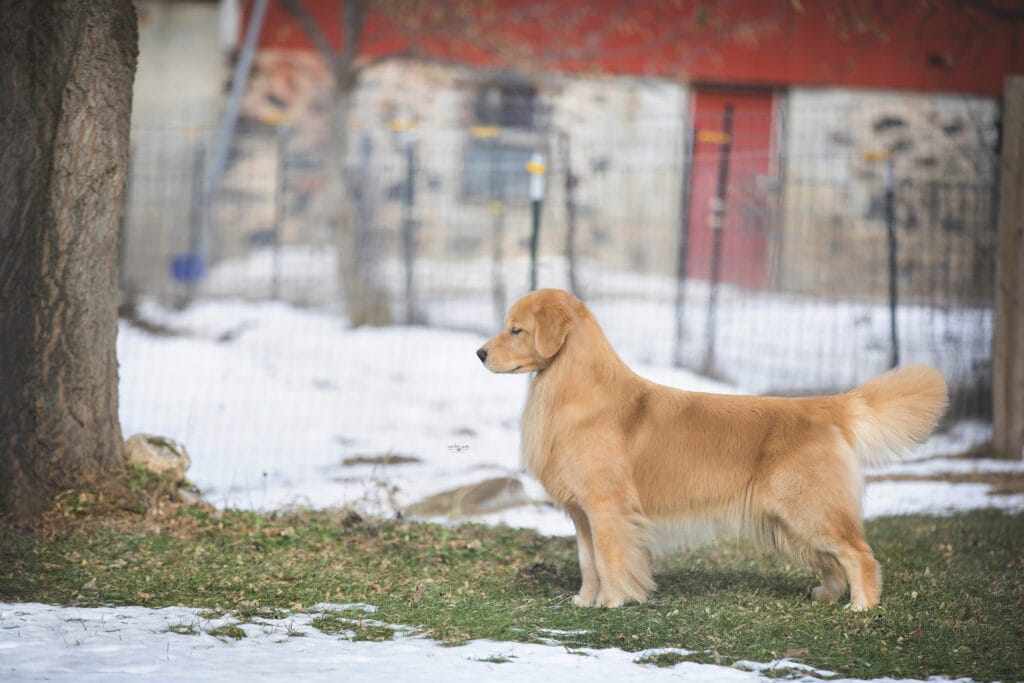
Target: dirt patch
386 459
134 505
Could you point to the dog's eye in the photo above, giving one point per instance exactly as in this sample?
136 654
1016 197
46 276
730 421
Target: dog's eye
515 330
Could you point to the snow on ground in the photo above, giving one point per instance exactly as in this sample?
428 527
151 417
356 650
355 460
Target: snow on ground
270 401
40 642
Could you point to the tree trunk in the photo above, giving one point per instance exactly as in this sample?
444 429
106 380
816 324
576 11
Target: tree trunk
358 255
1008 337
66 88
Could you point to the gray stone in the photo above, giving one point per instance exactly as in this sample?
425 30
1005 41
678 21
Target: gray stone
490 495
158 454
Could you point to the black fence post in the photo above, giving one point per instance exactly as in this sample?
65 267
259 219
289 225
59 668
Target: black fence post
409 225
571 181
683 254
279 209
496 206
537 170
890 224
717 230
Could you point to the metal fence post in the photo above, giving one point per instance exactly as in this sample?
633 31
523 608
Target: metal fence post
496 207
571 181
229 119
890 225
408 222
280 187
892 269
537 170
683 253
717 234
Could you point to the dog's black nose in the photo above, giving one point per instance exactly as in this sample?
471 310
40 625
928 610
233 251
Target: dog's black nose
481 353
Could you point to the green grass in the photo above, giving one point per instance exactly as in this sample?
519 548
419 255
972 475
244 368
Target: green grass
227 632
953 602
353 629
663 659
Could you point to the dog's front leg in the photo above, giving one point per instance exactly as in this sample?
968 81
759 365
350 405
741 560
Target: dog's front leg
588 570
621 536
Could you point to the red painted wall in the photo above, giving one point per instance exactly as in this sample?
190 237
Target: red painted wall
942 45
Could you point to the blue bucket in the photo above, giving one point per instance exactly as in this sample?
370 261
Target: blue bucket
188 268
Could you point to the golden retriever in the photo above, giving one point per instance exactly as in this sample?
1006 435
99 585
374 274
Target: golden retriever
636 464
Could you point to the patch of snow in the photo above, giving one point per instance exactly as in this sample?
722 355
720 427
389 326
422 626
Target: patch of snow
128 644
885 498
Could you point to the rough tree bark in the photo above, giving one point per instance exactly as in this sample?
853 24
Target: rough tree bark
66 88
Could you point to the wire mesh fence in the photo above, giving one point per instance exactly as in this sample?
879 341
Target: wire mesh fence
776 267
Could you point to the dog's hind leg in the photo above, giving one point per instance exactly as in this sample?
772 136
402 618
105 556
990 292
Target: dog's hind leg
839 533
621 536
831 539
588 568
833 578
863 571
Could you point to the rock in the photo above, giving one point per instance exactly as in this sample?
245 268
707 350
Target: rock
158 454
490 495
190 496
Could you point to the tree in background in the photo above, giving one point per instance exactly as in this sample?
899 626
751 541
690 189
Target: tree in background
366 297
64 150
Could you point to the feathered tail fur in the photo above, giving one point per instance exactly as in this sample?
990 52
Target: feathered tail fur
894 411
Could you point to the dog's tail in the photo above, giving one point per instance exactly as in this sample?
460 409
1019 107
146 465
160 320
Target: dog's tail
894 411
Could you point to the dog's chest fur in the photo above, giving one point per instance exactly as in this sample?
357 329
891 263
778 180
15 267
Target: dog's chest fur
551 418
535 430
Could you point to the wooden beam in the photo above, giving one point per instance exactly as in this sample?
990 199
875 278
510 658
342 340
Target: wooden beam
1008 339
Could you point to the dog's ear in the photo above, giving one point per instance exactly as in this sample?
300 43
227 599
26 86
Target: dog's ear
553 324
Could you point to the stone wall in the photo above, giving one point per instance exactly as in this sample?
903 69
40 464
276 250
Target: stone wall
839 148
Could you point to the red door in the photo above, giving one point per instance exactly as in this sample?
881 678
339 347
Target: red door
745 157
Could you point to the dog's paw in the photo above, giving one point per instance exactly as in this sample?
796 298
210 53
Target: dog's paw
615 599
858 607
824 595
587 595
582 600
610 601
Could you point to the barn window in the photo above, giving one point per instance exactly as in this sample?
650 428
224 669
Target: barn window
506 105
502 137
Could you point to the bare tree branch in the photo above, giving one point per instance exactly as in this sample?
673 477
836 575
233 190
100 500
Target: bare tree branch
313 31
353 17
1012 13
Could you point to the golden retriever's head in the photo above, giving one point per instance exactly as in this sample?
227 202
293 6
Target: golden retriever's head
535 329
